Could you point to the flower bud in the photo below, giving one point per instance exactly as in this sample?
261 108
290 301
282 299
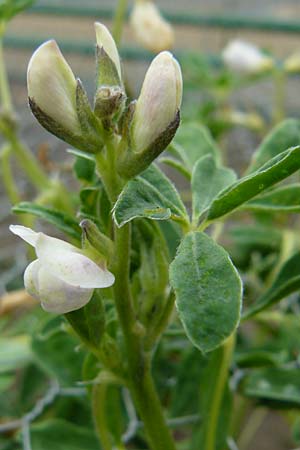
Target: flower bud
245 58
159 101
156 115
109 101
150 28
109 66
52 87
61 277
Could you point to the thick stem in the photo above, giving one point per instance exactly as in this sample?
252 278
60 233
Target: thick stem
140 380
211 433
119 18
99 414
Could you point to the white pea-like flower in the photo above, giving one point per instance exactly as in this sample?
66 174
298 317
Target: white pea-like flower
159 101
52 86
62 278
245 58
151 30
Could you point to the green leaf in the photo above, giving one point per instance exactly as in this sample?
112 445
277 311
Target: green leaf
208 291
55 352
58 434
208 180
277 169
283 199
84 169
60 220
9 8
283 136
176 164
191 142
274 383
89 321
150 195
286 282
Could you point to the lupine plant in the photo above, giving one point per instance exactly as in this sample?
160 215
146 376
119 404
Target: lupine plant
150 288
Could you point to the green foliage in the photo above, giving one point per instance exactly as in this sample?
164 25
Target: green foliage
58 434
208 180
62 221
286 282
275 170
283 136
209 315
150 195
285 199
191 142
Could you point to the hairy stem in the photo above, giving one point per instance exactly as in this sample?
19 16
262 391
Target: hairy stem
5 95
139 367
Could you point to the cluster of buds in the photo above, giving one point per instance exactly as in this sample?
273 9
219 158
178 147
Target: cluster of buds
245 58
151 30
59 102
63 277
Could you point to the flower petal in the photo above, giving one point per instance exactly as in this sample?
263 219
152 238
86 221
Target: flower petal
27 234
59 297
66 262
31 278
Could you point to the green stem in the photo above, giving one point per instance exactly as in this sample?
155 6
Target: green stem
119 18
99 414
211 434
5 95
140 379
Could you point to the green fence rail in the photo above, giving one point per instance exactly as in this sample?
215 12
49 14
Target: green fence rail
182 18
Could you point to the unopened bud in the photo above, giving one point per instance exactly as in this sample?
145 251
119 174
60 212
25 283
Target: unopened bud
152 31
108 60
246 58
52 88
109 101
156 115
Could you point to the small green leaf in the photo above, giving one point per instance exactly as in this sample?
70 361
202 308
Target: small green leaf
89 321
208 291
283 136
208 180
283 199
14 353
84 169
286 282
150 195
192 141
277 169
273 383
61 220
58 434
176 164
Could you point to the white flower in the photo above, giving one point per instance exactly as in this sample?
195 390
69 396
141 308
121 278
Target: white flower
150 28
246 58
104 39
52 86
159 101
62 278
